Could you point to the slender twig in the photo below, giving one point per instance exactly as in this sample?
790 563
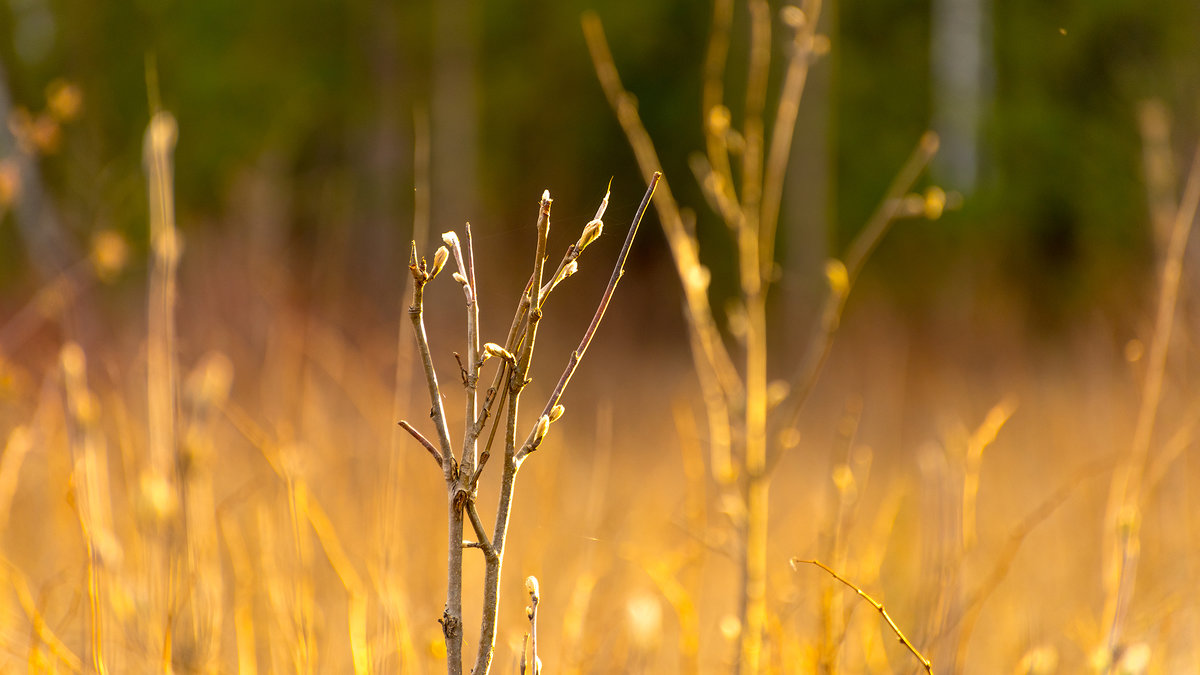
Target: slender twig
684 247
517 380
758 67
531 442
477 525
973 605
866 241
1125 492
530 662
785 122
796 562
437 456
451 620
715 114
416 313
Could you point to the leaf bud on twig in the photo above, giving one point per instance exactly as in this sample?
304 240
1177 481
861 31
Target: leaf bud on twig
461 279
566 271
493 349
531 587
439 261
838 277
557 412
543 427
450 238
591 233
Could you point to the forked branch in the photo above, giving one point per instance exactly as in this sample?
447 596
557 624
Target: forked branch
531 443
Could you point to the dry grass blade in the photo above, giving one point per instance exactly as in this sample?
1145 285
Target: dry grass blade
796 562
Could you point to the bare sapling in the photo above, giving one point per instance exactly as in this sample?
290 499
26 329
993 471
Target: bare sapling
461 472
752 420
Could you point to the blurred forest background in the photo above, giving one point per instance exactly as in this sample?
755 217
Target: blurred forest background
297 124
305 132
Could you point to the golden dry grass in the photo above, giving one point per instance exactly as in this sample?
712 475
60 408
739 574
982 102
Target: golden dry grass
959 479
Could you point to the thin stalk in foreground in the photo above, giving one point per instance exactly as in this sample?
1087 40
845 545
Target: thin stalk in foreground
494 555
452 614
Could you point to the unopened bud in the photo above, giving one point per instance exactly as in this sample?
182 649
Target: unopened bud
557 412
542 428
935 202
461 279
793 17
531 587
450 238
567 270
719 119
838 277
697 278
591 233
439 261
493 349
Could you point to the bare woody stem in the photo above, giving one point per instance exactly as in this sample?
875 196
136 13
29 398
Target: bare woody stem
471 429
452 614
513 457
618 271
416 313
860 249
494 556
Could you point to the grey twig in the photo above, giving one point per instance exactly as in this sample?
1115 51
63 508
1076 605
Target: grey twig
437 456
618 271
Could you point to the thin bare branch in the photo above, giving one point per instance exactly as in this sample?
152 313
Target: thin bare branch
1125 492
416 313
437 456
756 97
573 363
684 248
516 383
785 123
973 605
477 524
796 562
842 281
714 114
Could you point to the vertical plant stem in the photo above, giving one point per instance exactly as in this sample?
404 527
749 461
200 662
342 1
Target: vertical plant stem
754 562
1125 493
757 496
684 247
818 346
494 556
785 127
452 614
161 385
715 115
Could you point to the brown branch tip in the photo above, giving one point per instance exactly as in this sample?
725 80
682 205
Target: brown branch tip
796 562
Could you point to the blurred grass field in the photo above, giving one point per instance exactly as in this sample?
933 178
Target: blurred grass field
301 526
202 470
